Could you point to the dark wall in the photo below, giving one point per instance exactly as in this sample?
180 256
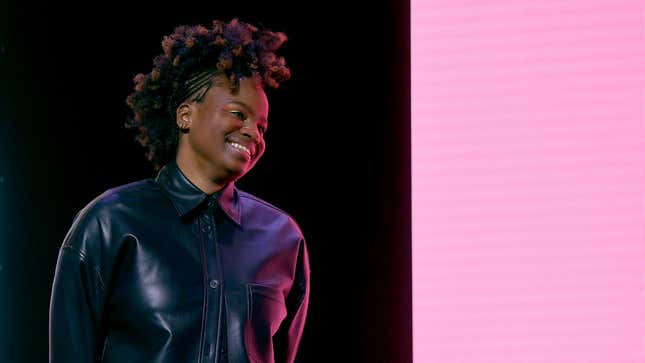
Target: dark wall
337 154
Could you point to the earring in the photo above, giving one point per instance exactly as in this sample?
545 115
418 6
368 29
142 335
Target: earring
184 125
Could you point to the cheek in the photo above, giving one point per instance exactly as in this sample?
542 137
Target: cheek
262 147
206 137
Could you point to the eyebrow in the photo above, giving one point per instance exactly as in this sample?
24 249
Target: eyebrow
249 109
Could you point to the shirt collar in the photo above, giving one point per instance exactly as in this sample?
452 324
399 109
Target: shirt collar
186 196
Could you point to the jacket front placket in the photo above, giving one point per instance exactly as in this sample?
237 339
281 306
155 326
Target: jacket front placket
212 315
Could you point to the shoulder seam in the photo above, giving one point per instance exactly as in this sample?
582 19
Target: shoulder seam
78 252
83 258
265 203
246 195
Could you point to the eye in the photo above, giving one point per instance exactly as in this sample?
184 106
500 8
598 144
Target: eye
238 114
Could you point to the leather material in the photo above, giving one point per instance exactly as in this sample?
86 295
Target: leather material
157 271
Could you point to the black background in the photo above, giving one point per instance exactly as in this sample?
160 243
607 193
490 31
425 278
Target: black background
337 153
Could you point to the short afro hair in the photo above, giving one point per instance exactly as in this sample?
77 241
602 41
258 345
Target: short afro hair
192 56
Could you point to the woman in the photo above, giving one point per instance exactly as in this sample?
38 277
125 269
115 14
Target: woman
185 267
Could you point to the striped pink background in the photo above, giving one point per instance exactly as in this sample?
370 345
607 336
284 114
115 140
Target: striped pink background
528 156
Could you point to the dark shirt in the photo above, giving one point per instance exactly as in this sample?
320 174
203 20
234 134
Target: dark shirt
158 271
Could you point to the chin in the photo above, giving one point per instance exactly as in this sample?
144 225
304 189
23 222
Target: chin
236 173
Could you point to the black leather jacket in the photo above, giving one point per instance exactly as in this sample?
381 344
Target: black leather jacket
157 271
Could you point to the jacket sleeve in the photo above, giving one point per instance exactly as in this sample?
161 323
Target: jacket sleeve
76 302
287 339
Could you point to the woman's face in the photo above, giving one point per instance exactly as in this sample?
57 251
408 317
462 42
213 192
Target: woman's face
225 138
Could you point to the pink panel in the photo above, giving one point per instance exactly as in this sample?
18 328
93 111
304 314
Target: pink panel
528 157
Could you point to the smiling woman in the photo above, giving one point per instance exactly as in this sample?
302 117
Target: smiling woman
223 136
185 267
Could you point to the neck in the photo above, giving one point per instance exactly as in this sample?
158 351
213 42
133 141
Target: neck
198 174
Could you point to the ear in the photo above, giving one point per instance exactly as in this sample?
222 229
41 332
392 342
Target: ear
184 116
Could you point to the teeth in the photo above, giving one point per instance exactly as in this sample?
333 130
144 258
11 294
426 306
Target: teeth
240 147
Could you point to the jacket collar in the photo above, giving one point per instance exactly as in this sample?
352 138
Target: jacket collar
186 196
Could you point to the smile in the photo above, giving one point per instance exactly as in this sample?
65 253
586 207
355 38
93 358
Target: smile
240 147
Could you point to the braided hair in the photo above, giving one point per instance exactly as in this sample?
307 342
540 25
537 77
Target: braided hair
193 57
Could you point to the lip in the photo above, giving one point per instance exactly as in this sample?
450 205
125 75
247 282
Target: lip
234 149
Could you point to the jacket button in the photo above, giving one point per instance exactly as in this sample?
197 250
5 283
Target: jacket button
214 284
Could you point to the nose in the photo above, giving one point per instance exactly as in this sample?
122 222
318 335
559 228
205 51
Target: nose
251 131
